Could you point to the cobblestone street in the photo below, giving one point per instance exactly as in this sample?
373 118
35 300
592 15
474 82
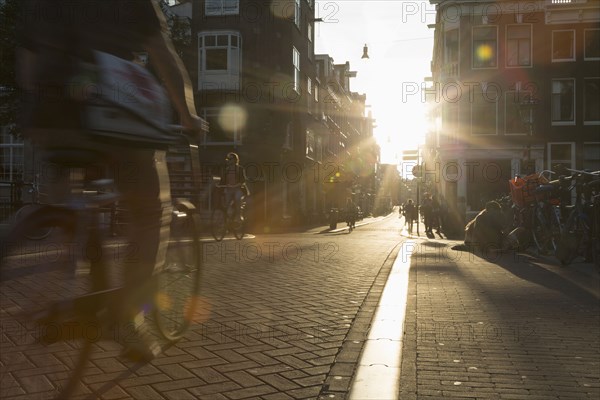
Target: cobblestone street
287 316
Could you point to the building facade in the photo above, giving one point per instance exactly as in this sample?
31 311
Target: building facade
302 134
515 89
287 112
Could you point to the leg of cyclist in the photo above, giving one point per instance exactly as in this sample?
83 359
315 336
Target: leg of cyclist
229 197
238 202
143 180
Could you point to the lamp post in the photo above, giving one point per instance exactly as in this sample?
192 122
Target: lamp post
526 112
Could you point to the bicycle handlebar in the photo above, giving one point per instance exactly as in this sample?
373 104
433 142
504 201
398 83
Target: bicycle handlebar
576 171
541 174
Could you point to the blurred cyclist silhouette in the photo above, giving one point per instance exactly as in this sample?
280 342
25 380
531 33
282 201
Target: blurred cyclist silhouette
233 178
58 38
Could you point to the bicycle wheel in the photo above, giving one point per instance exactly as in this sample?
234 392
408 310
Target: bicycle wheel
218 224
544 230
40 324
574 239
34 233
238 226
179 282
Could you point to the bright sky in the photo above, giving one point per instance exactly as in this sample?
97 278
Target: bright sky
400 48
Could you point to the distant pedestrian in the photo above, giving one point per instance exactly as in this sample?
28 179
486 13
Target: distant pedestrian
444 215
427 211
435 216
410 214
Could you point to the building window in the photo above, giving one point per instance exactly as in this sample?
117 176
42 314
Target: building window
225 125
518 46
513 120
561 155
484 112
309 95
485 46
12 161
311 144
563 45
451 53
563 101
591 100
288 143
592 44
219 59
319 148
311 48
316 91
297 13
591 156
451 46
222 7
296 62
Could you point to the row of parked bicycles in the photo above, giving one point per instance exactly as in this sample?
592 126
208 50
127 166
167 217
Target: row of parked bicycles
560 210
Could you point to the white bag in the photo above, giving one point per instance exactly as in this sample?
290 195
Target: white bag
129 104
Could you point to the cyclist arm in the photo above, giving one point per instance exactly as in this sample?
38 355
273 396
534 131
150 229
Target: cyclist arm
173 72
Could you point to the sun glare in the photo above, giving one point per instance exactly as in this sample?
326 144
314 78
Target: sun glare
393 77
484 52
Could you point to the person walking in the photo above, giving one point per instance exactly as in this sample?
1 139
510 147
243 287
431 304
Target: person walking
427 211
410 211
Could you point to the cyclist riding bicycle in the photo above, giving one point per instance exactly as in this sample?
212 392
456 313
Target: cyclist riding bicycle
233 180
56 95
351 213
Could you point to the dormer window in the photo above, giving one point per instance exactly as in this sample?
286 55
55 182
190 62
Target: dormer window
222 7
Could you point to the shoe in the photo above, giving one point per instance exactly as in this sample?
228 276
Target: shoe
138 344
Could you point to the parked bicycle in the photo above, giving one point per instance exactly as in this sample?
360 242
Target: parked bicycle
546 225
523 195
576 238
66 324
227 217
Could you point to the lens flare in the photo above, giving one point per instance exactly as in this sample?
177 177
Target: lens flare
484 52
232 118
163 301
197 309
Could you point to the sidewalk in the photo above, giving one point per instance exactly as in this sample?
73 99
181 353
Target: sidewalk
483 326
507 326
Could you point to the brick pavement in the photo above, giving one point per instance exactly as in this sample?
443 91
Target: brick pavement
284 317
506 329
